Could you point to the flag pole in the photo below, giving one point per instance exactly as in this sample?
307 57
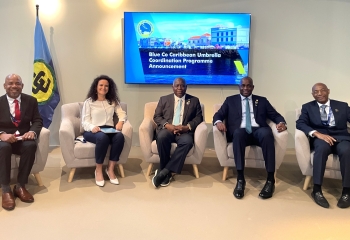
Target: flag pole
37 10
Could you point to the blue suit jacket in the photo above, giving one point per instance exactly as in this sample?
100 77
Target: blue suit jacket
310 119
231 110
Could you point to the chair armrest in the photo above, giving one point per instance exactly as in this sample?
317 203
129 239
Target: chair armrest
220 145
303 153
127 132
67 137
280 140
200 141
146 132
42 150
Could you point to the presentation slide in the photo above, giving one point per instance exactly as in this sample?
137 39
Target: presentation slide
203 48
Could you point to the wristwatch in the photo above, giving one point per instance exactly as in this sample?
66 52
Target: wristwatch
189 126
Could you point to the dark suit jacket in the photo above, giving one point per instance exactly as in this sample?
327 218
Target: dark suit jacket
30 116
231 110
310 119
165 111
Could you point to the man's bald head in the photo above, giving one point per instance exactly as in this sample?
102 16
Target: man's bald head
13 85
320 92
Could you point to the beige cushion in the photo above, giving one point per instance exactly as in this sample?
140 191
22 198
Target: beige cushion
332 163
251 152
173 147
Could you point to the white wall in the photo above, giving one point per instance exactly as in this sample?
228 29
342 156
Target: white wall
294 44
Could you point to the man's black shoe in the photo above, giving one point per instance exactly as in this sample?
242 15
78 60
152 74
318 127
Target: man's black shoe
167 180
239 189
158 178
320 199
267 190
344 201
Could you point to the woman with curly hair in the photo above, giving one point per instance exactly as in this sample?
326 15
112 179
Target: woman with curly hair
101 104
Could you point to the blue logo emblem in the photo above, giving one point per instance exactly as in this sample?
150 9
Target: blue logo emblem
145 28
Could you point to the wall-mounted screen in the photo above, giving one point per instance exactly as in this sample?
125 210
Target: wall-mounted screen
203 48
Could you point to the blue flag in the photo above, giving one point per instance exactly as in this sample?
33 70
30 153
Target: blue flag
44 87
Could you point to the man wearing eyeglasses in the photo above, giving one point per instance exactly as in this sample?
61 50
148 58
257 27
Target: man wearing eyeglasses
325 122
177 116
20 125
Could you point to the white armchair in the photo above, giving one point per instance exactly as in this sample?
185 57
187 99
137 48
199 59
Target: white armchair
77 155
41 154
149 146
305 157
253 154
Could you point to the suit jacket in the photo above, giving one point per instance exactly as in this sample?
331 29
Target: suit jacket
310 119
231 110
30 116
165 112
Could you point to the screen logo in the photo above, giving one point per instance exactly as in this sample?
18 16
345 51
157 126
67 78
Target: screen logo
145 28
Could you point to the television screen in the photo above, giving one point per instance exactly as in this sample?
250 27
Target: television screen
203 48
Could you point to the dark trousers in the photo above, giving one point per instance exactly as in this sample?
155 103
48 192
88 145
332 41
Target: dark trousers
322 150
176 161
262 137
26 149
102 141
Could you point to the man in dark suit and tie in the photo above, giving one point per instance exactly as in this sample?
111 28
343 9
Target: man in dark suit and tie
246 116
20 125
324 121
177 116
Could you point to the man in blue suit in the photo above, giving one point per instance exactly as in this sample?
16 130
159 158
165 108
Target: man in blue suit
246 116
325 122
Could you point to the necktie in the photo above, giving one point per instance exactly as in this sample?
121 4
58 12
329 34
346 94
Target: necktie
17 119
177 114
324 117
248 124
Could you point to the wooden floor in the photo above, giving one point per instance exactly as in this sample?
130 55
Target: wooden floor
189 208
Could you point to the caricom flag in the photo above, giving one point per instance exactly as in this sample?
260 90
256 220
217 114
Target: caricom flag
44 87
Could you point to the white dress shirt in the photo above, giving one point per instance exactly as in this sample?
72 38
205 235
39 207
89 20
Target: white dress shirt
252 118
100 113
176 102
12 104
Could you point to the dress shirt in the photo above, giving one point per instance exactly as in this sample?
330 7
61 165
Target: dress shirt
331 116
176 102
100 113
252 118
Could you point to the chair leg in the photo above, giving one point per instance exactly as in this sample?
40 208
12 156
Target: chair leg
224 174
71 174
149 169
195 170
275 177
121 170
307 182
38 179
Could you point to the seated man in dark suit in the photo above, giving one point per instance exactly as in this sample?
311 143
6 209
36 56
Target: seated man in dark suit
177 116
325 122
20 125
246 116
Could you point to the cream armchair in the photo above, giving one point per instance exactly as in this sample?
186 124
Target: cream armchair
305 157
253 154
149 146
41 154
77 155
